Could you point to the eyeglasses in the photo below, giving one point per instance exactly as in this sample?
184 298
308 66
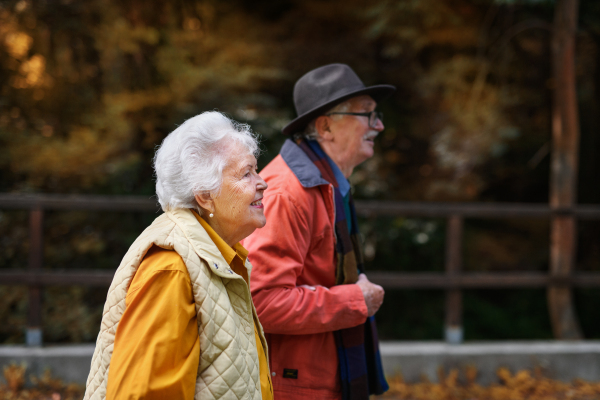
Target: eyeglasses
372 115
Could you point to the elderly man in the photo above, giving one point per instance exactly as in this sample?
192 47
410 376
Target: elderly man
313 300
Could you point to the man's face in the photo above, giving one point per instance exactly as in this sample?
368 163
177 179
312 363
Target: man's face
350 140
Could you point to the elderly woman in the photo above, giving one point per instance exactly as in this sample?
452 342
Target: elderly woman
179 322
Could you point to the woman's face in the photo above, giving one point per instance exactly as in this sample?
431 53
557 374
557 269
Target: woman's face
238 208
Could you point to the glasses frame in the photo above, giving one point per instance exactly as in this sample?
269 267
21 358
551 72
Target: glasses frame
375 115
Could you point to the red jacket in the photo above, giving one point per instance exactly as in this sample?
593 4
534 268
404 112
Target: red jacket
295 248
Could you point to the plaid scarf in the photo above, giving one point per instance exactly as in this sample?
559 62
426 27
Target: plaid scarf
358 347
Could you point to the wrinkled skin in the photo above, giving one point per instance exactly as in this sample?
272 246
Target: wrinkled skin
237 209
372 293
349 140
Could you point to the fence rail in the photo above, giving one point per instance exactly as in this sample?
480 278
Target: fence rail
389 280
364 208
452 280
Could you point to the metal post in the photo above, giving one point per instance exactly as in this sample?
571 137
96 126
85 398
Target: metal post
453 329
564 166
33 336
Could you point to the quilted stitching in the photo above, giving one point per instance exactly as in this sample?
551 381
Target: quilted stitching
229 367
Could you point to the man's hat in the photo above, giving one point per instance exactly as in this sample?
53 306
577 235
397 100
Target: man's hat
325 87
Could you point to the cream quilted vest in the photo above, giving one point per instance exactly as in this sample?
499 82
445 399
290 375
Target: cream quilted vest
229 367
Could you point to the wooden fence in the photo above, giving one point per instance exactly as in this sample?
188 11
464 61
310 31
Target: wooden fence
452 280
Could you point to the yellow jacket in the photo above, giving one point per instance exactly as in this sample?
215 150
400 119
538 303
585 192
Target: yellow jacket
229 364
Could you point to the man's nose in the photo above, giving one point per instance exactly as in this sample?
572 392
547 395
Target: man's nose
379 125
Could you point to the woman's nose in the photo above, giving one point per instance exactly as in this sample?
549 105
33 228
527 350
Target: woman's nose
262 185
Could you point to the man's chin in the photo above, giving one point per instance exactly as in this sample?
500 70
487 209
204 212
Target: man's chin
368 150
364 157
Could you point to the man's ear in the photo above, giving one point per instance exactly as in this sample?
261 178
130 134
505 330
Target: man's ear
205 201
322 125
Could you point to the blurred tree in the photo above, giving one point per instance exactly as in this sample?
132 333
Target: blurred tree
89 89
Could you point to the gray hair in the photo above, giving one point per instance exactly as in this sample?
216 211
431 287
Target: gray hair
191 159
310 132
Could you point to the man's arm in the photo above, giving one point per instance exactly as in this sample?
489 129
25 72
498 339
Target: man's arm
277 253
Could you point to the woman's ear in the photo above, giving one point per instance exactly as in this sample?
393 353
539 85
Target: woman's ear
205 201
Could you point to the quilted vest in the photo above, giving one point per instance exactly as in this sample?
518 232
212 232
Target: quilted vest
229 366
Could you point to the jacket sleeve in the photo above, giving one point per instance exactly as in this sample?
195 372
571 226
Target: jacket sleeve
157 347
277 253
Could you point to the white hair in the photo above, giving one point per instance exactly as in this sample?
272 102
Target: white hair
310 132
191 159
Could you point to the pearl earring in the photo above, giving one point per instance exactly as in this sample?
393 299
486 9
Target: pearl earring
211 215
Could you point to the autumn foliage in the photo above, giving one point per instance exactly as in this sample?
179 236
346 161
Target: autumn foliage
89 89
525 384
45 387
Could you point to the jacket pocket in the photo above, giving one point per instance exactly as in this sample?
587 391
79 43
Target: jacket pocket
307 361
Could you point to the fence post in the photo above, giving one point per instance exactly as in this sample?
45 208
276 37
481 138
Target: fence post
33 335
453 327
564 166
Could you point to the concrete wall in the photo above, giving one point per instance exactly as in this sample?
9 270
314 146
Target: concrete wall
564 361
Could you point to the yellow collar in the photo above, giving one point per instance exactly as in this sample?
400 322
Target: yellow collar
227 251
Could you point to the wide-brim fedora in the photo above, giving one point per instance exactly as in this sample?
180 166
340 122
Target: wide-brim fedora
324 88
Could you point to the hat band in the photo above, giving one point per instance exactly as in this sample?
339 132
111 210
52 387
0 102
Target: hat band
338 94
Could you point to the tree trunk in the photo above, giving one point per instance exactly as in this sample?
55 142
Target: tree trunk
564 166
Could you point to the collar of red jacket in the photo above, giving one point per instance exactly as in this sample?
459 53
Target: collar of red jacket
305 170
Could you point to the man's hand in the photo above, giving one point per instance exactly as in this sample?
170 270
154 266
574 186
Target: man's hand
373 294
